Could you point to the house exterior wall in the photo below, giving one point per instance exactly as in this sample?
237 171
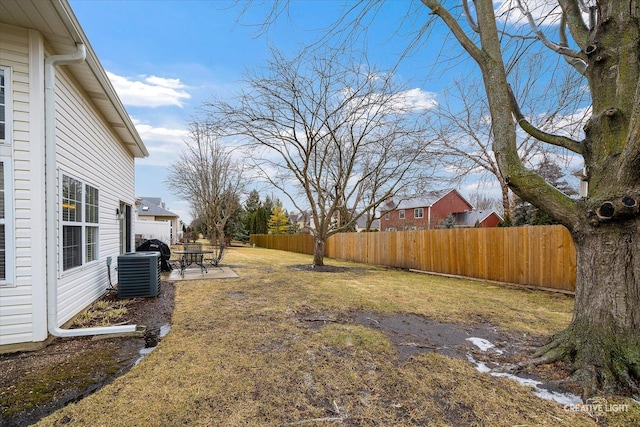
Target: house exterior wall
432 216
87 150
23 297
392 220
450 203
90 152
490 221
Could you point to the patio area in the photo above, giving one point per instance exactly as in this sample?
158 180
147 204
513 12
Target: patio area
194 273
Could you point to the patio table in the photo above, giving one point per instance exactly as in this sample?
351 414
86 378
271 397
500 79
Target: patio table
190 257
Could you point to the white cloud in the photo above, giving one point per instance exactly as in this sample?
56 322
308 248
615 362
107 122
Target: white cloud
164 144
149 91
160 134
417 99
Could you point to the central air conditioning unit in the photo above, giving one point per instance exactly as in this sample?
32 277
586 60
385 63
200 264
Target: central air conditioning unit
138 274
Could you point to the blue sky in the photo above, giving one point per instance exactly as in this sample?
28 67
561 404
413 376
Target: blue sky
166 57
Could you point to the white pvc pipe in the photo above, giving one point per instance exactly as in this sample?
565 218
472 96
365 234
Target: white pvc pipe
51 202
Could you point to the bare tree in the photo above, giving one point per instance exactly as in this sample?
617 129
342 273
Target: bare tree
600 40
336 136
209 177
603 337
463 125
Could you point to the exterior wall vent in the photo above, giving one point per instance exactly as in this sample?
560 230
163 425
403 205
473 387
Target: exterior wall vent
138 274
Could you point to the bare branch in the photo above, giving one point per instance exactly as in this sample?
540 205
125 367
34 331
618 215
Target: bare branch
562 49
472 22
330 129
557 140
209 178
577 63
572 13
437 8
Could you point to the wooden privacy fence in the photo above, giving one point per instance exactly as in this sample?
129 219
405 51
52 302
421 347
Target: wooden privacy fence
541 256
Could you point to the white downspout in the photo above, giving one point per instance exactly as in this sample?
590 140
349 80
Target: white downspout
51 202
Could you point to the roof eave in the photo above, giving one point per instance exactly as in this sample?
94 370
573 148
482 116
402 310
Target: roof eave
124 127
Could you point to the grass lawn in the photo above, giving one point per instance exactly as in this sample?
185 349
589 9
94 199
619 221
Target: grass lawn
278 346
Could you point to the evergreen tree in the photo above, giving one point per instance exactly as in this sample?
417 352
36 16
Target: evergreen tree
449 221
279 222
236 229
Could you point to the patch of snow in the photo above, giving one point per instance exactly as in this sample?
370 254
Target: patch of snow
143 353
480 366
562 398
483 344
164 330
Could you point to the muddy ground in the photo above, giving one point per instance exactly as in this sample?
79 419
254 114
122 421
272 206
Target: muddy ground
36 383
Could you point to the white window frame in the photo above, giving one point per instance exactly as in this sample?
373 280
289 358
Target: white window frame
83 223
8 221
7 110
387 216
418 213
401 214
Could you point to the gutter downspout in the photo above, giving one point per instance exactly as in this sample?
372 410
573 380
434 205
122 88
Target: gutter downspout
51 202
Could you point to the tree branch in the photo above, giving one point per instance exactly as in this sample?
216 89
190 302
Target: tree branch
579 31
472 23
578 63
572 56
464 40
527 184
557 140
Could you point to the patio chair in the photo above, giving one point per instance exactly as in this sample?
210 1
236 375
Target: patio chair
218 253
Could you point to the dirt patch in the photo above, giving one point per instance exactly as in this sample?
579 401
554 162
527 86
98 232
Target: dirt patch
481 343
36 383
324 268
411 334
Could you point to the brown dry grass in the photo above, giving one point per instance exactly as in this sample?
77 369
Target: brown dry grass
239 353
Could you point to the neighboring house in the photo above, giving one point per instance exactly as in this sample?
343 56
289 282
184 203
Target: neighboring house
361 224
477 218
301 220
67 150
424 212
153 210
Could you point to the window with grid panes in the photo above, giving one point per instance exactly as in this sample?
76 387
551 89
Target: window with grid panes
80 218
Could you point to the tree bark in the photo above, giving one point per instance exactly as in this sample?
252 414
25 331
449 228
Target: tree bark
602 343
318 253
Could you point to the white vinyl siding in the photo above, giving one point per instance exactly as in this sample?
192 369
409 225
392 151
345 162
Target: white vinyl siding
88 151
22 294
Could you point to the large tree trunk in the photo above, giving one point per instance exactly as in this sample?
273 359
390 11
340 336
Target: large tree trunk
602 343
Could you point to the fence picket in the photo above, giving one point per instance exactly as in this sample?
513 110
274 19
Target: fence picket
542 256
